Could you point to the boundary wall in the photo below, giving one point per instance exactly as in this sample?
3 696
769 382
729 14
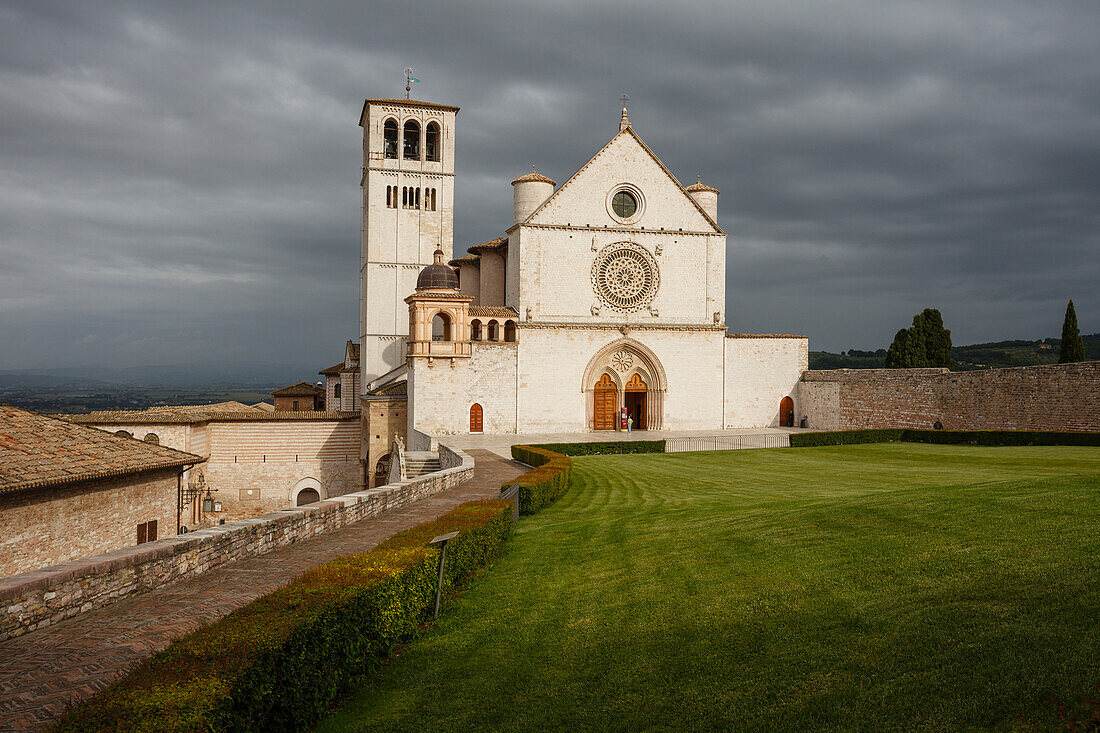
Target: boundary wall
42 597
1051 397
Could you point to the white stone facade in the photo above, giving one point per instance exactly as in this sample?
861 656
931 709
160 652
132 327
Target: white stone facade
615 282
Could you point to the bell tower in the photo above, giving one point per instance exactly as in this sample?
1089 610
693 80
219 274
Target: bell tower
408 213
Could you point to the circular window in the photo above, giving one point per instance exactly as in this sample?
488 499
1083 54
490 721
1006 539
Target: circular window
625 276
624 204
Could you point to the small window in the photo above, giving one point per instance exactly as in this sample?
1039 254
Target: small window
389 137
152 438
431 142
295 408
624 204
147 532
336 391
412 140
124 433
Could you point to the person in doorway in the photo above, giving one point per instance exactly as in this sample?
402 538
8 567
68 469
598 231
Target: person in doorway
630 425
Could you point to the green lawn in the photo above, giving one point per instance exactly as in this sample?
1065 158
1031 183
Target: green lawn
871 587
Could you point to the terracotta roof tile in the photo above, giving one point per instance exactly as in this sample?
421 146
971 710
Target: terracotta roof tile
301 389
411 103
333 369
700 186
183 416
493 311
532 176
39 450
491 244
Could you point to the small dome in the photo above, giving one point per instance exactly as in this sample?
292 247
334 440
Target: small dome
533 177
437 276
700 186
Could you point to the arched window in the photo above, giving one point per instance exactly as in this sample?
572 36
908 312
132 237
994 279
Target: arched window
509 331
389 138
412 140
382 468
336 391
389 196
475 330
152 438
405 196
431 142
417 204
432 198
494 331
124 433
441 327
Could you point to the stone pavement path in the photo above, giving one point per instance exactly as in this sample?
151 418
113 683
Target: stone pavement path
41 672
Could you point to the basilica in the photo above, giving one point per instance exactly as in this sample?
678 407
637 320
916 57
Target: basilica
602 303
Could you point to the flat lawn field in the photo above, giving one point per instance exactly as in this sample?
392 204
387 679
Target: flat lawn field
869 587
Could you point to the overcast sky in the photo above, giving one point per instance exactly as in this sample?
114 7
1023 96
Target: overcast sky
180 181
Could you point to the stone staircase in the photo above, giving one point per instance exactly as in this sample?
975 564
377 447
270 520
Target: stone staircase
420 462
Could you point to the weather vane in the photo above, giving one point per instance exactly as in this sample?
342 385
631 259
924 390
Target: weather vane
409 81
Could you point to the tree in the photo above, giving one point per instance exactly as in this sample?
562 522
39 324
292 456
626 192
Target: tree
1072 348
925 344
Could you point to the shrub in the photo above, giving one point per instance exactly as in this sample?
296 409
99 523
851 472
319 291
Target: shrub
605 448
944 437
277 663
845 437
541 486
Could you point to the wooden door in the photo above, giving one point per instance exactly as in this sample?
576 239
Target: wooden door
604 403
786 412
475 418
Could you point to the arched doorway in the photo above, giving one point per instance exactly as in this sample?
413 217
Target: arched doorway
629 367
476 422
634 401
307 496
786 412
605 403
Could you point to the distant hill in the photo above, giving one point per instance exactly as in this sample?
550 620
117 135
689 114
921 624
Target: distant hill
996 355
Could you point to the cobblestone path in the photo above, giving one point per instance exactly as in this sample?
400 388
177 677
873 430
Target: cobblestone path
41 672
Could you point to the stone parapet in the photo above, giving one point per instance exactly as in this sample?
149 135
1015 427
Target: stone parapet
42 597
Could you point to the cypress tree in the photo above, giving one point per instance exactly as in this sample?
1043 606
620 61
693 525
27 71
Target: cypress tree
1072 348
925 344
900 355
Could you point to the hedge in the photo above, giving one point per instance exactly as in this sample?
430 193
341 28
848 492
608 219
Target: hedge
946 437
541 486
277 663
605 448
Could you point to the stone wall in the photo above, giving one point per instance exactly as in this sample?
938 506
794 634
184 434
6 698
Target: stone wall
40 527
39 598
1048 397
760 370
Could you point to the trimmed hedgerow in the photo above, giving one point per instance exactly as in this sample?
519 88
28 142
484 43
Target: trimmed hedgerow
277 663
541 486
1000 437
946 437
845 437
605 448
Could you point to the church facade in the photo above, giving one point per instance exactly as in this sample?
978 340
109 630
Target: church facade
603 301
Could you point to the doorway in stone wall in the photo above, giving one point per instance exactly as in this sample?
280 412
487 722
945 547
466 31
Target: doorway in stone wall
605 399
634 399
308 496
786 412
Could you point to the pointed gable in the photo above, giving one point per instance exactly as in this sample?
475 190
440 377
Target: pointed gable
584 199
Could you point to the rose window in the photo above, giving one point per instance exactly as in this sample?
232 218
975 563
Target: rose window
622 361
625 276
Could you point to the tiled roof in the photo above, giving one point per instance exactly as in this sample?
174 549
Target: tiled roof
265 406
185 417
469 257
333 369
532 176
411 103
354 350
493 311
393 389
491 244
301 389
700 186
38 450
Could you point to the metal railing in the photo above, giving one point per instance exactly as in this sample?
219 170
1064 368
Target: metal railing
728 442
512 494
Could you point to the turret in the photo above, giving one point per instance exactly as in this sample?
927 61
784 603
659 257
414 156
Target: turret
528 193
707 198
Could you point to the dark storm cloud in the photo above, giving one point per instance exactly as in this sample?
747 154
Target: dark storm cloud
179 181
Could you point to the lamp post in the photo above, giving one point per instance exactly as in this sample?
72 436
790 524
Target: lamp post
442 541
